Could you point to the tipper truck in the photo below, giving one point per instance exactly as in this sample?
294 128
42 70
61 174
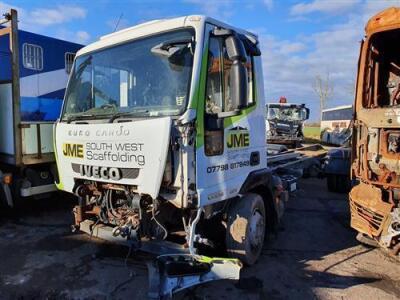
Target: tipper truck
33 76
162 138
375 201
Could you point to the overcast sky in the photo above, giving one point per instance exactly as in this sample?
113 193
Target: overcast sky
299 39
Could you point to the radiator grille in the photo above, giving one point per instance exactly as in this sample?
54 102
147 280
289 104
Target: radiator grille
367 218
127 173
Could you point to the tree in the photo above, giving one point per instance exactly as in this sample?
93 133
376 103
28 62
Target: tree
323 87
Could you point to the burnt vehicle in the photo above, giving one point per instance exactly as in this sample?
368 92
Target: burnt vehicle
284 123
375 201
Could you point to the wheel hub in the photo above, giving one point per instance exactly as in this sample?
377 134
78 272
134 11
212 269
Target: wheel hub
256 229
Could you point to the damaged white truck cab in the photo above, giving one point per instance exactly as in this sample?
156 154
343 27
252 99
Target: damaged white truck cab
162 136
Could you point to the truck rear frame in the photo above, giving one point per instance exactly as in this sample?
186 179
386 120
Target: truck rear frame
27 161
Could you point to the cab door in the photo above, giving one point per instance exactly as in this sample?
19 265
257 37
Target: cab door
230 138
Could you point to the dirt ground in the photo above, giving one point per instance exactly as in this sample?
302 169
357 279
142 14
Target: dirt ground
314 256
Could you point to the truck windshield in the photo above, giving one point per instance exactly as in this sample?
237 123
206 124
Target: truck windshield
286 113
382 70
146 77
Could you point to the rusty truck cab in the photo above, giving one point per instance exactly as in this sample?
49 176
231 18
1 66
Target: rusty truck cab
375 201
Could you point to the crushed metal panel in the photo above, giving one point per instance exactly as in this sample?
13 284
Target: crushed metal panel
173 273
368 211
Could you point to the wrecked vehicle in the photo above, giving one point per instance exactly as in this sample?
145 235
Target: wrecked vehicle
284 123
336 125
162 138
375 201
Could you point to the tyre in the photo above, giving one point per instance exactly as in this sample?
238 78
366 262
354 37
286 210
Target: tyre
346 183
331 182
5 195
3 198
245 229
338 183
16 193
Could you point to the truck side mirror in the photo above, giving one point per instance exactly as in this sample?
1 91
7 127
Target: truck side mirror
238 73
307 113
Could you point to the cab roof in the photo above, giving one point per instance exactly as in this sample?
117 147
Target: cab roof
156 26
385 20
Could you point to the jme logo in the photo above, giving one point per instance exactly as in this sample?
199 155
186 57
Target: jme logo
73 150
238 137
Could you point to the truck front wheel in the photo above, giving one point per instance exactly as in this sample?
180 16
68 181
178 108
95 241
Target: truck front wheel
245 229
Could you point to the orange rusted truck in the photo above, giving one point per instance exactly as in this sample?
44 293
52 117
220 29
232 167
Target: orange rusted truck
375 201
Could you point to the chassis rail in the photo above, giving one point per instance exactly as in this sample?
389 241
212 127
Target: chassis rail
297 158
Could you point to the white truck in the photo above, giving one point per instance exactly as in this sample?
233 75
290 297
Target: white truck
162 137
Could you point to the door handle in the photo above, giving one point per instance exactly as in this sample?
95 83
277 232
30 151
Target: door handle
254 158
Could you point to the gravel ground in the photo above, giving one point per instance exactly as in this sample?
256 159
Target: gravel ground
314 256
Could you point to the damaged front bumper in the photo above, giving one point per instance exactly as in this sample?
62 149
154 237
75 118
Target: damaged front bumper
175 269
105 232
374 218
173 273
369 213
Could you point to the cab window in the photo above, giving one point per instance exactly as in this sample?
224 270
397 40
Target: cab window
214 93
218 102
218 82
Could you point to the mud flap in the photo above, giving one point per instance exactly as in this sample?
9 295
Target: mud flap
169 274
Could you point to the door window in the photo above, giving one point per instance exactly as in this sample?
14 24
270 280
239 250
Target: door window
218 80
214 103
218 94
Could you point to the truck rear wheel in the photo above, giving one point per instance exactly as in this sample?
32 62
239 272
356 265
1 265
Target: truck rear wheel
331 182
3 197
338 183
245 230
5 194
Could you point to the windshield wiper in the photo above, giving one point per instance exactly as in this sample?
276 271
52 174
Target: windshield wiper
79 117
112 117
85 117
128 114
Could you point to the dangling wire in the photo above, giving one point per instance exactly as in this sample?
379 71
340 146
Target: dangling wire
93 227
158 223
109 198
